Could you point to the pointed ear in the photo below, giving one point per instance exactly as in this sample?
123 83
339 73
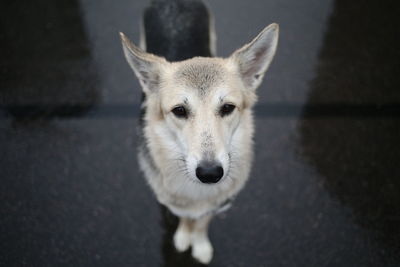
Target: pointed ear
147 67
254 58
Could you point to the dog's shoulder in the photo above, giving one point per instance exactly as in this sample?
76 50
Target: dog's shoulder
177 29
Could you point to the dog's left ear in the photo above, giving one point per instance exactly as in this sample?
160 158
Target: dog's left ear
254 58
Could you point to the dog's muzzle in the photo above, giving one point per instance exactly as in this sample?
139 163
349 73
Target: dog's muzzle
209 172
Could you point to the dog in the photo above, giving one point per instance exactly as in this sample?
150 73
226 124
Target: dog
197 122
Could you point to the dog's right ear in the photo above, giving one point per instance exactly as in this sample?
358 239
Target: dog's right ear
147 67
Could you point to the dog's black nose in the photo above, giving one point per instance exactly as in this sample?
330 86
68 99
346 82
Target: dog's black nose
209 172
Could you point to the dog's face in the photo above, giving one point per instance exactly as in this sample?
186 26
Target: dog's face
200 103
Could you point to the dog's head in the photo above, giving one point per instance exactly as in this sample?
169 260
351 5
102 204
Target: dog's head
202 105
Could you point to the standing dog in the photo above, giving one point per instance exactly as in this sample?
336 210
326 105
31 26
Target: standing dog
197 114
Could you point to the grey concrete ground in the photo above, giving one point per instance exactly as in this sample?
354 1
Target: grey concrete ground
324 190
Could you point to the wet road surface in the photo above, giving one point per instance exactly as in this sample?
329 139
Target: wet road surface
324 189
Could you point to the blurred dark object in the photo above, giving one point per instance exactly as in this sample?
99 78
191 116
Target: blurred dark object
358 158
46 68
187 32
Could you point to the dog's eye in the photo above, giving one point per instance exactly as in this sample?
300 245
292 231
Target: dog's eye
180 112
226 109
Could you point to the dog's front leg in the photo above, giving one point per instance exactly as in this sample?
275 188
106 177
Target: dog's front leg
195 233
183 234
202 249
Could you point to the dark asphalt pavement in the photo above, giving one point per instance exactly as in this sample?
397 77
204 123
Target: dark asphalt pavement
325 185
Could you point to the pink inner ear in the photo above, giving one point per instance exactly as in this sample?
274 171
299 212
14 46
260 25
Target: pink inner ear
149 79
260 52
253 67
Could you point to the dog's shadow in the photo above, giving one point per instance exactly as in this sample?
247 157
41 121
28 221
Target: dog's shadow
173 258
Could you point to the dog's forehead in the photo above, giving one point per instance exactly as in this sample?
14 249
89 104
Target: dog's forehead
200 74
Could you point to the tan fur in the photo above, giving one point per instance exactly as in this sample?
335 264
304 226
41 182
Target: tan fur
176 146
170 187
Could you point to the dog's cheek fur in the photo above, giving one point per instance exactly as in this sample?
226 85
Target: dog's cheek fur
249 99
176 127
154 112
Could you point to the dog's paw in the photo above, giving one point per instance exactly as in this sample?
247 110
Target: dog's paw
202 251
182 240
